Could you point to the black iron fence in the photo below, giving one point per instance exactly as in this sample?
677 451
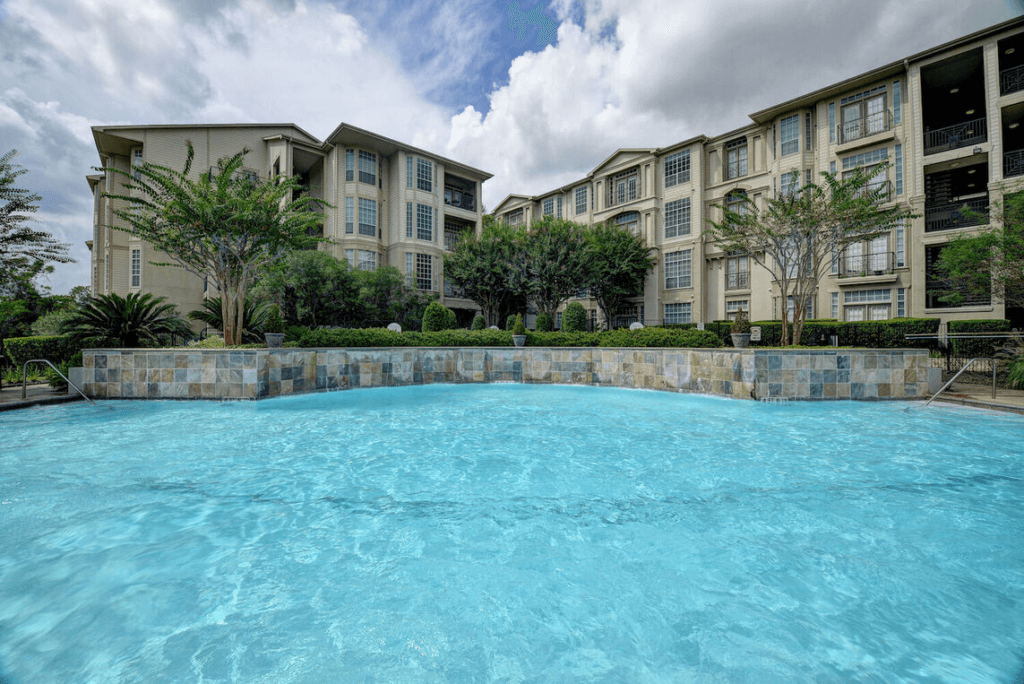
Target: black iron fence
956 136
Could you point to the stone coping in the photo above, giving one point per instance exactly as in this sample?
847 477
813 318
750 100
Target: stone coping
752 373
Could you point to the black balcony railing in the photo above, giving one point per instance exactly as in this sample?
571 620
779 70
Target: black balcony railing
864 265
739 280
956 136
960 215
1013 163
459 199
1011 80
864 126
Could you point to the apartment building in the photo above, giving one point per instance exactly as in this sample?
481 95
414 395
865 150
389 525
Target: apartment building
393 204
948 123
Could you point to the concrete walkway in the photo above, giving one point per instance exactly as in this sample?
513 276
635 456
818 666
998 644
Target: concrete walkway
10 396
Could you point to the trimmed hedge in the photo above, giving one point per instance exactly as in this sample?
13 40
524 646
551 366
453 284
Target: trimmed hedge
544 322
54 348
984 348
574 318
381 337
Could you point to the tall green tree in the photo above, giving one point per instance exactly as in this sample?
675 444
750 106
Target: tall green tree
224 224
556 261
385 298
132 321
796 236
490 269
24 252
617 264
973 267
312 288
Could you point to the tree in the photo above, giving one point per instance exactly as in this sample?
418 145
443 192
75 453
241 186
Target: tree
556 261
617 264
254 317
385 298
796 236
127 322
24 253
313 288
225 224
972 267
491 268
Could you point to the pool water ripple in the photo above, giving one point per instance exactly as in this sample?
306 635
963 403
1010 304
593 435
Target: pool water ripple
510 533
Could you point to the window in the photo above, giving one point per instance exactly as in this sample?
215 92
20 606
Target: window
367 217
901 249
624 187
832 167
424 175
453 234
678 313
831 121
581 200
367 260
790 184
899 169
835 305
367 167
424 272
136 267
136 162
737 202
869 305
350 212
559 214
808 315
558 321
350 256
677 168
630 221
677 218
737 273
789 134
514 218
408 171
408 220
424 222
736 158
901 302
870 161
350 164
734 307
807 131
549 207
863 114
897 102
678 269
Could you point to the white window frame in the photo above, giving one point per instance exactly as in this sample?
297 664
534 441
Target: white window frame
581 200
425 222
424 175
677 218
677 168
367 217
679 269
678 312
367 167
136 267
789 135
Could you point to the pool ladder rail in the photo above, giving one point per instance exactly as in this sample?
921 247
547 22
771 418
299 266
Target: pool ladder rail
24 379
951 380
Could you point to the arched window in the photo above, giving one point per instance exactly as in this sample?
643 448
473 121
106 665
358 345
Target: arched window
629 220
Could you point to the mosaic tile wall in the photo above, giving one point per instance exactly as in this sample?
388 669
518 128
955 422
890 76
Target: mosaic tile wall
743 374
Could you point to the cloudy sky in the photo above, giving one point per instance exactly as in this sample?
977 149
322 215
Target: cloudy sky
536 93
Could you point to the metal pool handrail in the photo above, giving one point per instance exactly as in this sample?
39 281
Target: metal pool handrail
966 366
24 379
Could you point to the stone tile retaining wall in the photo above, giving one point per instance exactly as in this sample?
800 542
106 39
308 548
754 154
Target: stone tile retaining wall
739 373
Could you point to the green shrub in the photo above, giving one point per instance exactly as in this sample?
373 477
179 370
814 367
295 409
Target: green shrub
984 348
54 348
510 322
52 323
273 323
519 328
574 318
545 323
479 323
562 339
659 337
871 334
438 317
56 381
1015 379
382 337
451 321
294 333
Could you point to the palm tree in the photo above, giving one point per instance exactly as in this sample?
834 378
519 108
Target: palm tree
254 317
130 321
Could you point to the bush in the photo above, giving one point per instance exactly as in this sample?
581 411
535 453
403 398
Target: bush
519 328
55 349
52 323
510 323
56 381
871 334
294 333
438 317
545 323
273 322
382 337
451 321
574 318
1015 379
562 339
659 337
984 348
479 323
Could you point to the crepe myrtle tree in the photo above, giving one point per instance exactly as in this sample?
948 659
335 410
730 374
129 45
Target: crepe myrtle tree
617 262
490 269
223 224
796 236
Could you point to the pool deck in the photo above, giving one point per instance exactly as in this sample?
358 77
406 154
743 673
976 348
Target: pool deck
977 396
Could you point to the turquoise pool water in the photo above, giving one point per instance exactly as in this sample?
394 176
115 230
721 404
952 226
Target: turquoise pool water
510 533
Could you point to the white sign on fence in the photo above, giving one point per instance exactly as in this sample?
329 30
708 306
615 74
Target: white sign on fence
755 333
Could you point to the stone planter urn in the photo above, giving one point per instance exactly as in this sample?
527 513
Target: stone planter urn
740 340
520 340
274 340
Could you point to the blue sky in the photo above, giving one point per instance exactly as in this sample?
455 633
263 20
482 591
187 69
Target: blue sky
534 93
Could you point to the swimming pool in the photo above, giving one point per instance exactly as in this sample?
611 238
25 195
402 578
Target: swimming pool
510 533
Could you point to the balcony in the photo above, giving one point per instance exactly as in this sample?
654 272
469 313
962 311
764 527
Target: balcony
459 199
973 212
1013 163
956 136
863 127
739 280
1011 80
866 265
